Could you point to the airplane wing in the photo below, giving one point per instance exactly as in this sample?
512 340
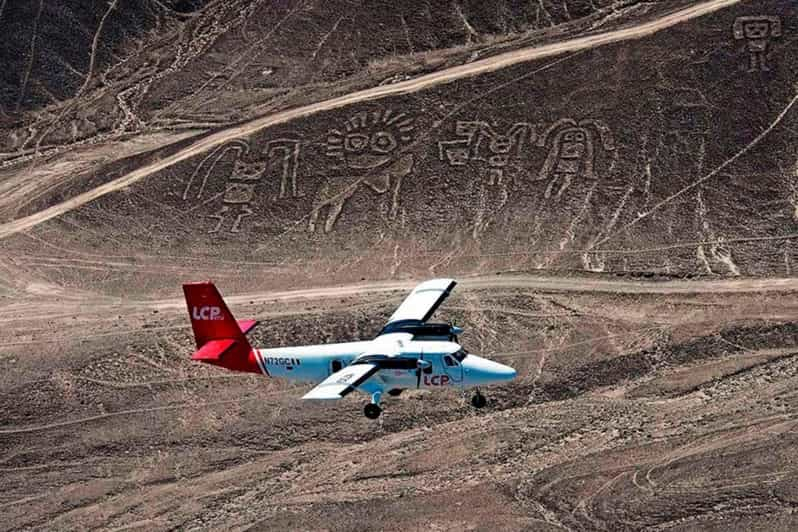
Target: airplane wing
424 300
342 382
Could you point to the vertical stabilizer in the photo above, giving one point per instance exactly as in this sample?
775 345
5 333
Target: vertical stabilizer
221 340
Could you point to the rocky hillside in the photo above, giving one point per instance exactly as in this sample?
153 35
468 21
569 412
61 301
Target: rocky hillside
672 153
77 69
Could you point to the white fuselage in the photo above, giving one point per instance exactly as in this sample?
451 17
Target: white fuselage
448 365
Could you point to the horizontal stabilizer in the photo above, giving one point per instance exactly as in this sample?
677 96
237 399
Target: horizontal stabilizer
213 349
247 325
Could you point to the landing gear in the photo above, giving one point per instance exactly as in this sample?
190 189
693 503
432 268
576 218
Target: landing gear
372 411
478 400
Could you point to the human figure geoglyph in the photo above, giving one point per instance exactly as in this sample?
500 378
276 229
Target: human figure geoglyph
239 187
757 32
249 170
370 149
478 141
572 152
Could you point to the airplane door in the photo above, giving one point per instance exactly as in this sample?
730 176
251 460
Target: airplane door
453 369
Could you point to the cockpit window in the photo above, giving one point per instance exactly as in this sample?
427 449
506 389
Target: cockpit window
449 361
460 355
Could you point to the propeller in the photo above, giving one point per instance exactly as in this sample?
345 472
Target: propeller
454 330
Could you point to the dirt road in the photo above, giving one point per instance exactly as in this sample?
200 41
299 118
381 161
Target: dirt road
558 284
27 310
423 82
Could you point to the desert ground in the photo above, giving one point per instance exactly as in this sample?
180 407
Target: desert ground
613 183
639 404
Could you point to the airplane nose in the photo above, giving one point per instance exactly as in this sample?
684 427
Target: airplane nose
505 373
483 371
508 373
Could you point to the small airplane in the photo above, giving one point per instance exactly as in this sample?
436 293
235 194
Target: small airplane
407 353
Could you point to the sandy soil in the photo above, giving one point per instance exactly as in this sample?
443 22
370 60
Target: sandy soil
639 404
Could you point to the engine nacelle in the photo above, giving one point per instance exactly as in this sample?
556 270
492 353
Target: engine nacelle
424 331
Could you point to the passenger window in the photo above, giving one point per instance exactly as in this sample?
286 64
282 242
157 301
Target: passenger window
336 365
449 361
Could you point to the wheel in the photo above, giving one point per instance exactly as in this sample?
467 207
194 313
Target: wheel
372 411
395 392
478 400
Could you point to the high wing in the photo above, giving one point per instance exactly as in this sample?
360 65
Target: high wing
423 301
342 382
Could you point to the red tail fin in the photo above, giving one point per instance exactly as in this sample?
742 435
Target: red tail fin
221 340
